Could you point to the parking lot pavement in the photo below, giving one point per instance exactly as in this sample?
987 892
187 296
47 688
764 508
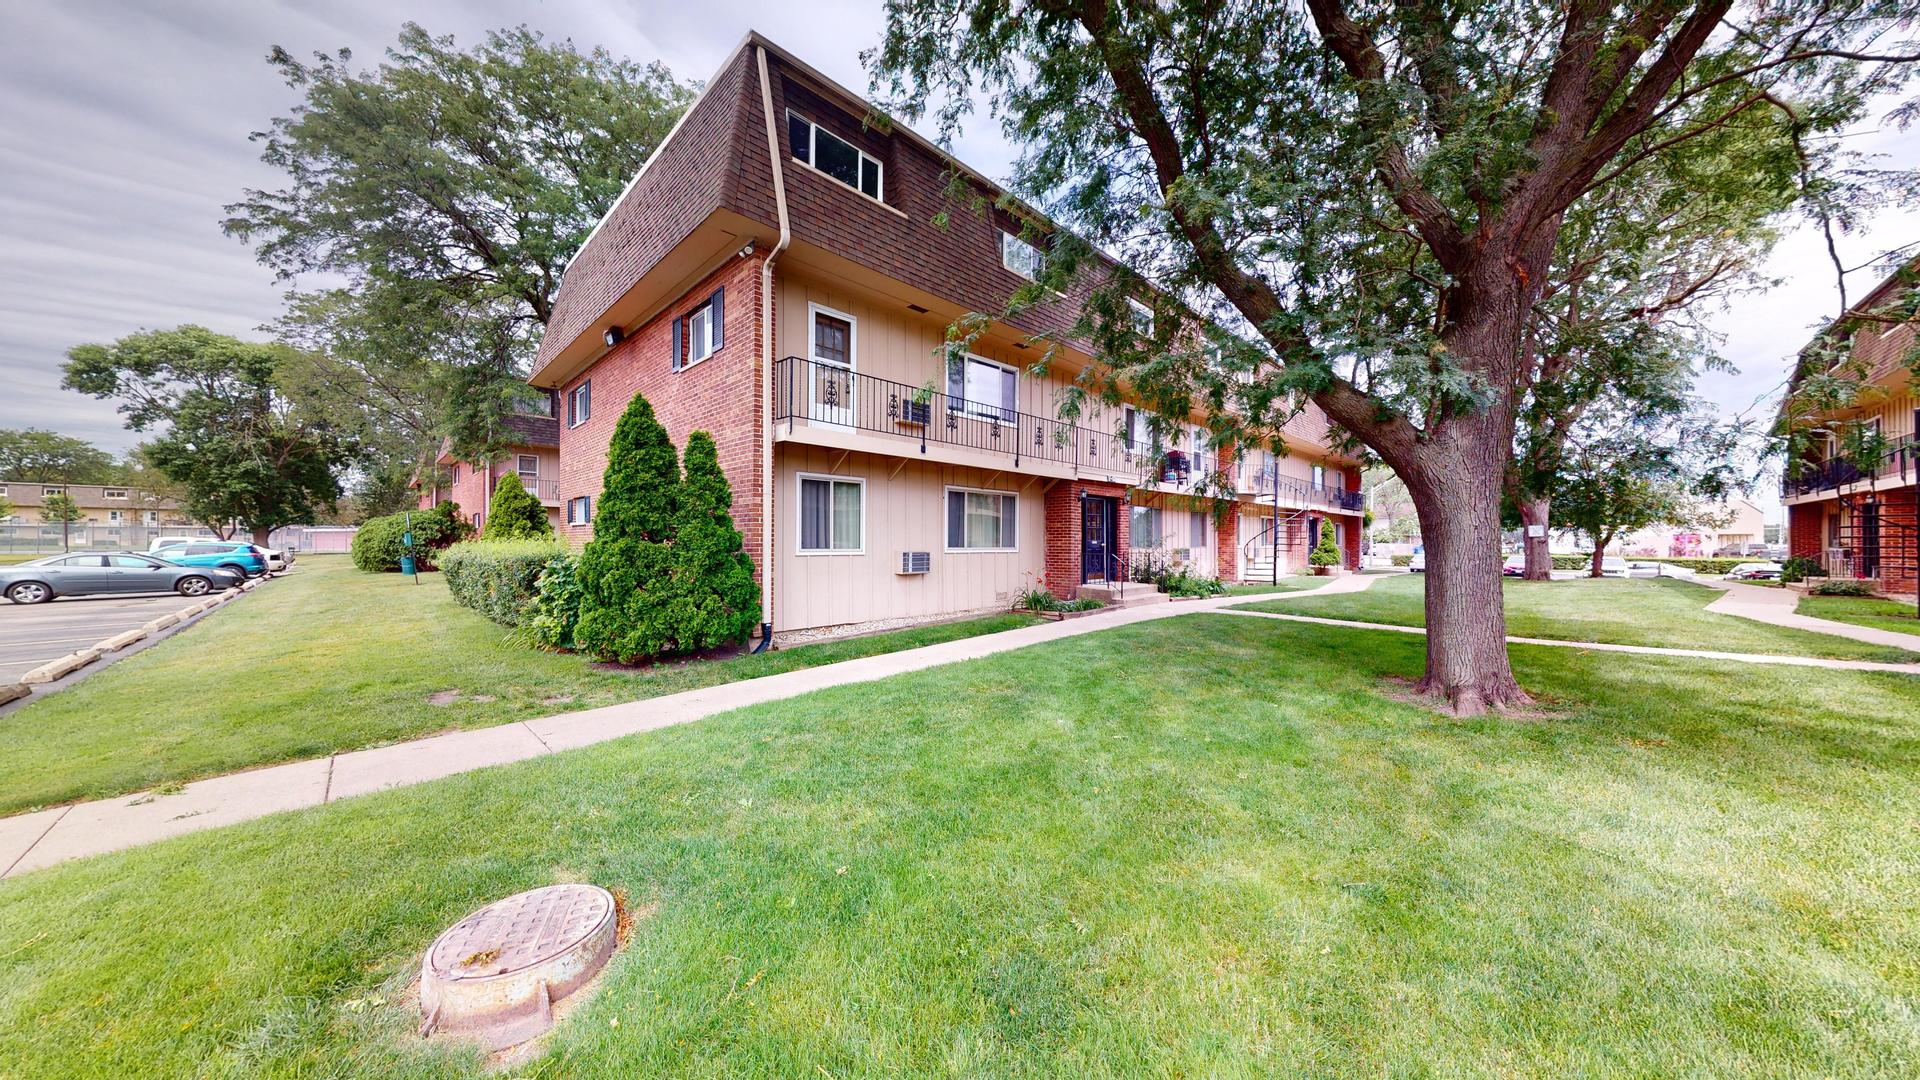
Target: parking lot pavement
32 634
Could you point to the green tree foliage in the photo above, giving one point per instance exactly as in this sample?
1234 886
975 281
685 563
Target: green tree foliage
625 570
61 510
715 599
379 542
1369 195
449 187
36 455
1325 551
515 513
1636 477
238 448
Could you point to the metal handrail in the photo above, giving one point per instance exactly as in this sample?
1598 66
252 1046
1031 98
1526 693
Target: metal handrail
822 393
1271 485
1902 453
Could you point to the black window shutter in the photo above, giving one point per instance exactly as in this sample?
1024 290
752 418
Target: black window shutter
719 303
674 358
956 519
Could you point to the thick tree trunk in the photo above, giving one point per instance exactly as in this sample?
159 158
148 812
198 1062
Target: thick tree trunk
261 534
1599 553
1534 512
1466 623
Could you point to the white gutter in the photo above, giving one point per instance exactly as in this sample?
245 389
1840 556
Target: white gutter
766 390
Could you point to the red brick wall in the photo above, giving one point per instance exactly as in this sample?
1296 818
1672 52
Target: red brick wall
719 395
1804 525
1226 546
1063 531
1897 541
1350 540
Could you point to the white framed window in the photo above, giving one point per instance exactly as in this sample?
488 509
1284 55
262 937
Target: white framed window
833 515
983 387
527 465
1199 462
580 404
835 156
835 339
113 493
1197 532
1142 316
1144 531
580 510
3 490
1021 257
1319 476
46 491
1137 430
113 517
701 332
981 519
150 517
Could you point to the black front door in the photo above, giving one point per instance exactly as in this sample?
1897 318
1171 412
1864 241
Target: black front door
1098 538
1869 540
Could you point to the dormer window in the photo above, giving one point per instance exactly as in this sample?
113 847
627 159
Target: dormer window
113 493
1021 257
1142 316
833 155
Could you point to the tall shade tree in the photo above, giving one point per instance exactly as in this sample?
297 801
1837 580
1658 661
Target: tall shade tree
229 437
449 187
36 455
1618 326
1372 192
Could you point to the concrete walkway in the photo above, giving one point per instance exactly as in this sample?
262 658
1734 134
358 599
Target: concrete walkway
1595 646
43 838
1761 604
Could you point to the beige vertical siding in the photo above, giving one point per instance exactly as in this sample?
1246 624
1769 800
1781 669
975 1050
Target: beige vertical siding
893 343
904 511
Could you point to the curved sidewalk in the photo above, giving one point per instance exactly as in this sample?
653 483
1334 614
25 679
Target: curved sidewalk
45 837
1776 606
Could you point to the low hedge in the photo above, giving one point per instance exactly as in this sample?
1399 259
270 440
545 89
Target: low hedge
499 578
1403 560
1842 587
1697 565
377 546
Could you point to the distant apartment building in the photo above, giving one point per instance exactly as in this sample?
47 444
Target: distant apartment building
1734 527
531 450
775 275
101 506
1858 517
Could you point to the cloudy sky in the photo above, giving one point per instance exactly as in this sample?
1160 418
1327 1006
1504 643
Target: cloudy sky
126 131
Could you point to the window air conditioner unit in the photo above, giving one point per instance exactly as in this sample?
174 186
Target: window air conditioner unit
916 562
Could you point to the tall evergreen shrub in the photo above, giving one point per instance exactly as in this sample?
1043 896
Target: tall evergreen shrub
625 567
715 599
516 514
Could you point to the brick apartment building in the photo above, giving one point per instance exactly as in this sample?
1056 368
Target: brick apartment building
532 450
774 275
1858 518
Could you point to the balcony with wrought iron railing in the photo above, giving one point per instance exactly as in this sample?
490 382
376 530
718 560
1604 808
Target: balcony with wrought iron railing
831 397
1268 485
1900 463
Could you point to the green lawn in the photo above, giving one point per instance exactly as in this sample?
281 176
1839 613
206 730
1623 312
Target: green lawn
1618 611
1294 583
15 558
328 659
1862 611
1205 846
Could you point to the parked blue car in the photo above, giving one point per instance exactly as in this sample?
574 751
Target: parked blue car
221 554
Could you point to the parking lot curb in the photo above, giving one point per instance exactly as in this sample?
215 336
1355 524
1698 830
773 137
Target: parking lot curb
13 691
58 669
122 640
161 623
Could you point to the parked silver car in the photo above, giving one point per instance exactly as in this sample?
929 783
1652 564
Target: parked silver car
93 573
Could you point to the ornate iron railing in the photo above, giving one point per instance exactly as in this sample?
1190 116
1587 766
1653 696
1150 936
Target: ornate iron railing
1266 485
1901 460
827 394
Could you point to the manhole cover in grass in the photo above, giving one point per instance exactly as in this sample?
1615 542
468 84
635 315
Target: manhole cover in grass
496 974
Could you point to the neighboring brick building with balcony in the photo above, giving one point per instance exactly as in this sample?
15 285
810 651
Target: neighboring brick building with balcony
532 449
775 276
1858 517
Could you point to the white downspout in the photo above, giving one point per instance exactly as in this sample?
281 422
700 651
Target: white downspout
766 388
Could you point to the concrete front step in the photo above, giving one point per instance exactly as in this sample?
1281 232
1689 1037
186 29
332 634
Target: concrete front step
1133 594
